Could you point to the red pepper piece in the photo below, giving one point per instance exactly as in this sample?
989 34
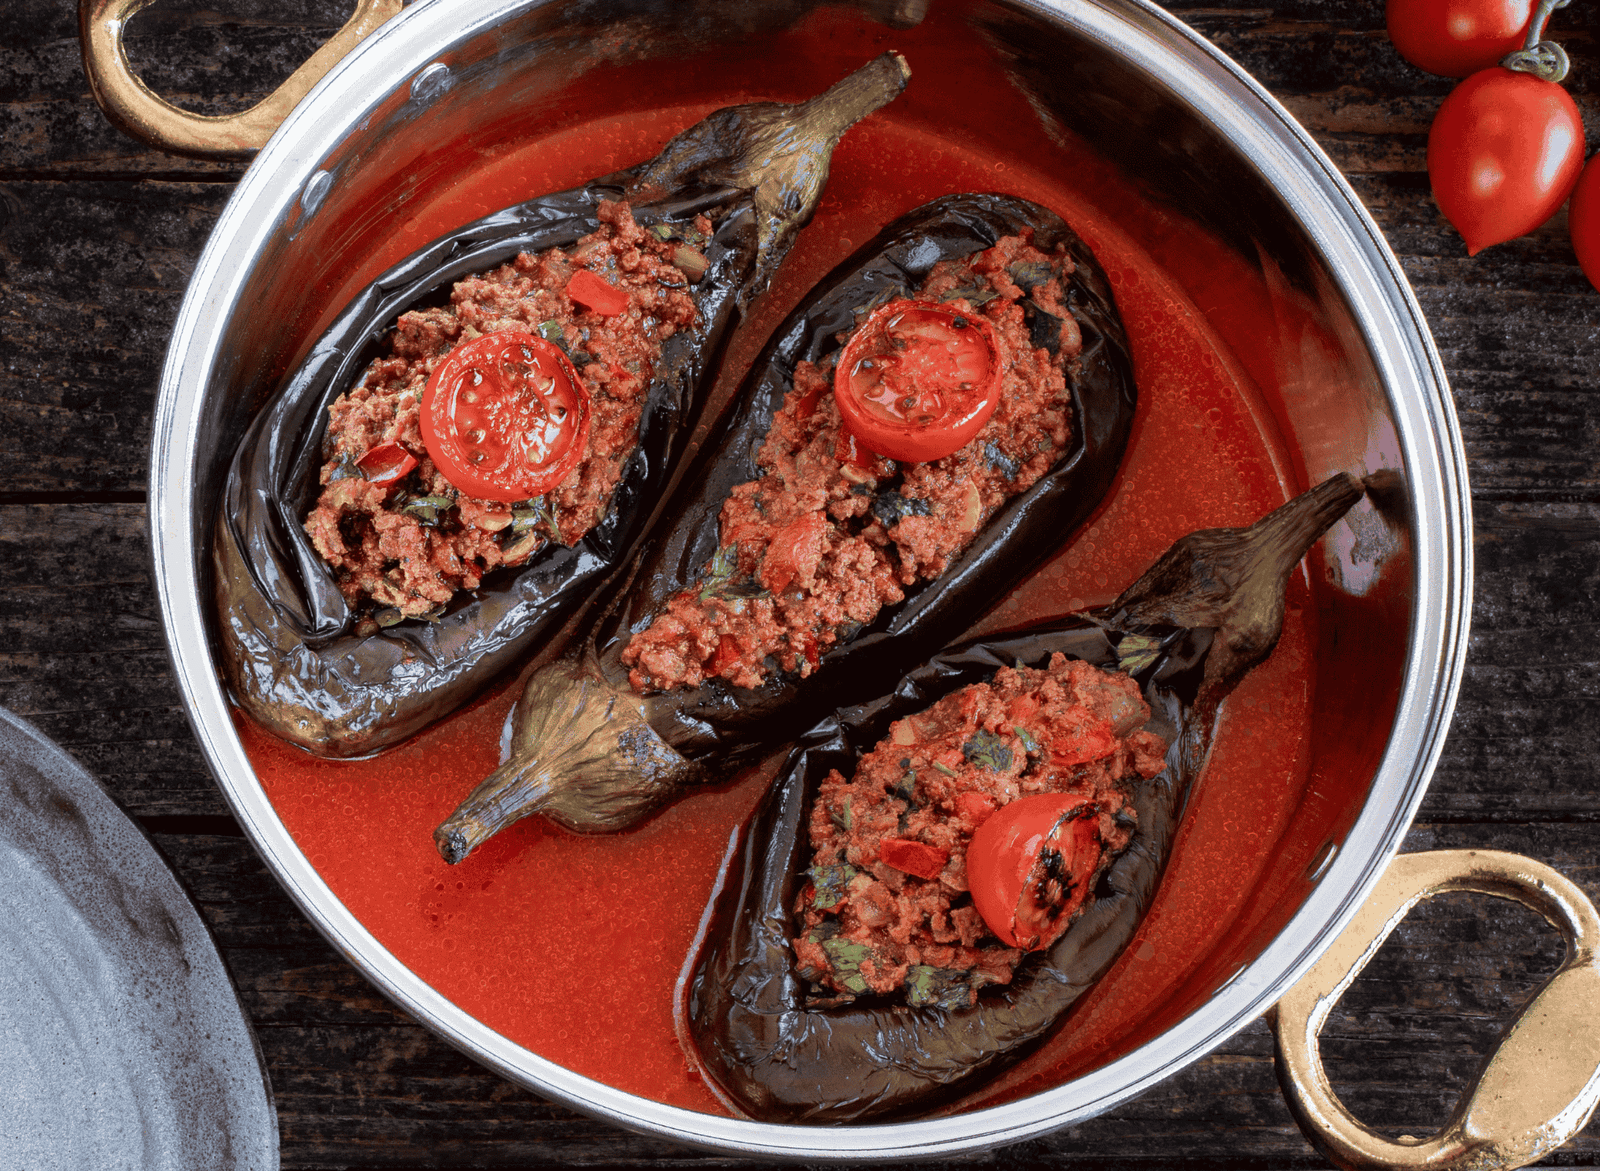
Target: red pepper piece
595 292
386 463
915 858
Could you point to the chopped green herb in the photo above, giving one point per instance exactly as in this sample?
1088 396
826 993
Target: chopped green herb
344 468
930 987
1029 274
829 884
538 514
723 580
723 566
388 616
552 332
987 750
662 232
974 295
841 817
1137 651
427 509
826 929
945 769
1029 744
906 787
846 956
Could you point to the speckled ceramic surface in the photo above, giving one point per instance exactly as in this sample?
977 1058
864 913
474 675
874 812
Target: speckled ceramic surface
122 1041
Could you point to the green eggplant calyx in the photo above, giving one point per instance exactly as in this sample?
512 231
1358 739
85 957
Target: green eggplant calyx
1232 580
779 153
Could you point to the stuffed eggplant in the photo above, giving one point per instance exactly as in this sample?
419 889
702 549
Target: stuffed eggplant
763 1012
728 639
348 621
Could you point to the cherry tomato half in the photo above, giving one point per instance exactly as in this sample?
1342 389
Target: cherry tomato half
1504 151
1456 38
1029 866
1583 221
505 417
918 380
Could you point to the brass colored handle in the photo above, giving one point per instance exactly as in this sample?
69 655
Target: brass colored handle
1542 1083
137 110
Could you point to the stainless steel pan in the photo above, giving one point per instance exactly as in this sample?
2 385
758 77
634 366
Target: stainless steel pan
1366 394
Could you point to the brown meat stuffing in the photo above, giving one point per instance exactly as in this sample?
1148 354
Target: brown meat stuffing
409 546
822 542
866 926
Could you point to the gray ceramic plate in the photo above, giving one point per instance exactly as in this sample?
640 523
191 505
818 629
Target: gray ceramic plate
122 1040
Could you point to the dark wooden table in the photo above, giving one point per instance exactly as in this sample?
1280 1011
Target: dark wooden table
98 236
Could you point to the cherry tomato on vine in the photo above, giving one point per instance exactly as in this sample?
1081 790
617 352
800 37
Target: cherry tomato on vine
1456 38
918 380
505 417
1029 866
1583 221
1504 151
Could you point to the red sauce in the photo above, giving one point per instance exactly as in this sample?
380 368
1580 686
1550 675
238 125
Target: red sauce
538 921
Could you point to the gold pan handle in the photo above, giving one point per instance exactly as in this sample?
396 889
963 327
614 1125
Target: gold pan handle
134 108
1536 1091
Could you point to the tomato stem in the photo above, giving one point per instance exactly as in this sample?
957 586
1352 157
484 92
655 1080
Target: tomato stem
1544 59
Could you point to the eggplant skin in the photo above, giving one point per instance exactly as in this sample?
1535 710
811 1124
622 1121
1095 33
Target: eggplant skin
722 724
287 644
780 1062
1201 617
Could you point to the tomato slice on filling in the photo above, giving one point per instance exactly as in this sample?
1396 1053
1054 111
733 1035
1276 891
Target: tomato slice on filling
918 379
1029 866
505 416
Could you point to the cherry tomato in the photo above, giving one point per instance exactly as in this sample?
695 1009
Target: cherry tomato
918 380
1503 154
505 417
1456 38
1583 220
1029 866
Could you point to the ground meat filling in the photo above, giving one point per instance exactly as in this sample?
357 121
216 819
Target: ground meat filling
866 924
403 549
830 534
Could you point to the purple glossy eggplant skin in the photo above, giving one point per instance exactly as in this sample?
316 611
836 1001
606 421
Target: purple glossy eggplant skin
781 1062
288 643
1204 614
719 724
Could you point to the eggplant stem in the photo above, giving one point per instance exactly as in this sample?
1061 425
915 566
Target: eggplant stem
1232 580
779 153
513 791
582 754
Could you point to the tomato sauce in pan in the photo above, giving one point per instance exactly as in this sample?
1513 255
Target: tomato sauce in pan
572 946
